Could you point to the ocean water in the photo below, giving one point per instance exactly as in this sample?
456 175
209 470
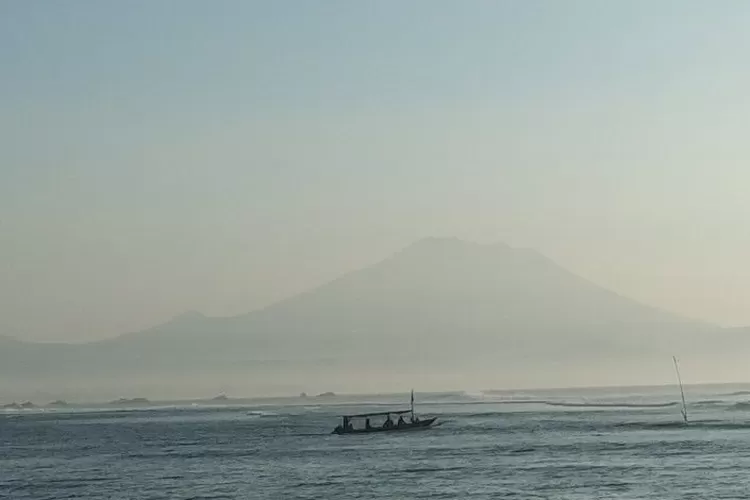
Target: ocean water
487 447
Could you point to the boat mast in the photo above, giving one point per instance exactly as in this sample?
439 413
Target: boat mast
683 410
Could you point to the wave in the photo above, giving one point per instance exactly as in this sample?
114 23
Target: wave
708 403
610 405
484 402
260 413
570 404
423 470
694 424
211 497
741 406
594 427
573 404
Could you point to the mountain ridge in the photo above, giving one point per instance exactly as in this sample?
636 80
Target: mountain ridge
418 249
440 308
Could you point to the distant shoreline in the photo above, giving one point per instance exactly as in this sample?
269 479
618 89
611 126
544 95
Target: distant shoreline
614 397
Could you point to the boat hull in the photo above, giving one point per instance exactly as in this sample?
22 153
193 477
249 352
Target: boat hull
422 424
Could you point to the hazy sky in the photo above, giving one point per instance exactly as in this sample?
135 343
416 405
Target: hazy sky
163 156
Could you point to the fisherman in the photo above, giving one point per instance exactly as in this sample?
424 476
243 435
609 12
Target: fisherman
388 423
367 424
401 421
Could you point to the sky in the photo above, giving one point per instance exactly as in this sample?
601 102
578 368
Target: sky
163 156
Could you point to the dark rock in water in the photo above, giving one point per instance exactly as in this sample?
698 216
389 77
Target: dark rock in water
326 395
59 403
303 395
19 406
131 401
220 397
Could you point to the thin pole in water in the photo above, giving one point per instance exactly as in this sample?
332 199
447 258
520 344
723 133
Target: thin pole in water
683 410
412 404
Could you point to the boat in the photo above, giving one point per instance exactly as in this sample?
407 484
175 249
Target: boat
413 423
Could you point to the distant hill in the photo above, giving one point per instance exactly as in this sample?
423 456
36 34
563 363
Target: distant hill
440 303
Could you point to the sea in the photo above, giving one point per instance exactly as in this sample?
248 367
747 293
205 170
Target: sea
627 443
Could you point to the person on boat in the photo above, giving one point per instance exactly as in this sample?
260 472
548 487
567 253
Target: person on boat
388 423
367 424
401 421
414 419
347 425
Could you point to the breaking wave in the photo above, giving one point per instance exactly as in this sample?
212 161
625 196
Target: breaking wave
610 404
259 413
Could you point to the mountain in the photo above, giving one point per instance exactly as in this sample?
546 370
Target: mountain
437 307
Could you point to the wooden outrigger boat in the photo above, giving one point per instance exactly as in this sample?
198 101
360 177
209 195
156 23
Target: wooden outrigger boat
413 423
